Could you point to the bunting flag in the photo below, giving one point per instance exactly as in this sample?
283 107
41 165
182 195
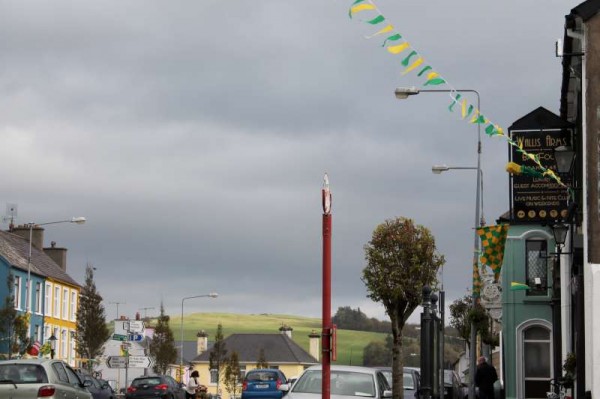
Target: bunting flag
514 286
476 279
395 44
493 239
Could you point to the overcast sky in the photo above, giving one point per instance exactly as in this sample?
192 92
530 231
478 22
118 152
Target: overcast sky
194 136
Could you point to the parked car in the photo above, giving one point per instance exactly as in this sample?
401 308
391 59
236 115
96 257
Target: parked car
452 385
99 389
33 378
156 386
364 382
263 383
411 380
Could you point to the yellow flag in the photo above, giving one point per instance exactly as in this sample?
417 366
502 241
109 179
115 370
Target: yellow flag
361 7
399 48
415 64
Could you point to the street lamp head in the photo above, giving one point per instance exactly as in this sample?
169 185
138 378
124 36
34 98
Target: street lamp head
78 220
438 169
564 157
213 295
560 233
402 93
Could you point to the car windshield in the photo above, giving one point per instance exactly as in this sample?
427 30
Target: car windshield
138 382
23 374
349 383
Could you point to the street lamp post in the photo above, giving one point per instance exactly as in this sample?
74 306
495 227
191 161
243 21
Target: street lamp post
52 340
211 295
403 93
76 220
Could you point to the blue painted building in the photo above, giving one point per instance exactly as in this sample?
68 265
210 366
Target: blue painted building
53 294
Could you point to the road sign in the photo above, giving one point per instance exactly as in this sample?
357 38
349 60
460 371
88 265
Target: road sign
140 361
136 337
119 337
136 326
116 362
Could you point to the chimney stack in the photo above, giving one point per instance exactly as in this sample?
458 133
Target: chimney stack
287 330
58 255
313 345
201 342
37 234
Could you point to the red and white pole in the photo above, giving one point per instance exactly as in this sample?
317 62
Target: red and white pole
327 330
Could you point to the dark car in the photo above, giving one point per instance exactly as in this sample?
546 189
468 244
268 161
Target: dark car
452 385
99 389
156 386
263 383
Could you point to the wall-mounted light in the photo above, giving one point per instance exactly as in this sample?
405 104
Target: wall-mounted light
564 157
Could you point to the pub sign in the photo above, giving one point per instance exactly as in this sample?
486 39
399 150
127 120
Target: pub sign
539 200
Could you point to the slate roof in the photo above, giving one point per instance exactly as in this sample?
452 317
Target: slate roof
587 9
278 349
15 250
540 118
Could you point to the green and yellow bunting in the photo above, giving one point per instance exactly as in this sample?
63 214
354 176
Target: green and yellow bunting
395 44
476 280
493 239
514 286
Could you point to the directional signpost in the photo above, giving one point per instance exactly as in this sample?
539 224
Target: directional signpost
140 361
116 362
136 326
119 337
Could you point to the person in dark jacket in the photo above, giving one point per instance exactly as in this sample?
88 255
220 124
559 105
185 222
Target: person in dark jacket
485 376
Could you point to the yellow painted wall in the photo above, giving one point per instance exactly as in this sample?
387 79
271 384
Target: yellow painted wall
290 370
61 317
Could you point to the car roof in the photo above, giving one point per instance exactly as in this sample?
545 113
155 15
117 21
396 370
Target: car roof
28 361
358 369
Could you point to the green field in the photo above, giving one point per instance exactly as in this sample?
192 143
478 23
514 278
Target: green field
350 343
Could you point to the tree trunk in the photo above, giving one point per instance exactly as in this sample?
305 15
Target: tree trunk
397 366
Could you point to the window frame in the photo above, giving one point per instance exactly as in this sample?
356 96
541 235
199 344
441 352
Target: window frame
17 292
520 352
543 255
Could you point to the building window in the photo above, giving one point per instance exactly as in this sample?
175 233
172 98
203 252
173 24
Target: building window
242 373
536 268
73 305
48 300
17 292
37 332
63 344
214 376
65 304
56 302
38 297
534 358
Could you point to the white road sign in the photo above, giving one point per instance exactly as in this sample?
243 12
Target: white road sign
116 362
136 326
140 361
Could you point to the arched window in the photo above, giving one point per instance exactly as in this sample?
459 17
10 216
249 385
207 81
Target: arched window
534 351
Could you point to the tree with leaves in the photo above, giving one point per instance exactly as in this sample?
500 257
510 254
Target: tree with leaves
92 332
261 362
162 346
8 313
218 354
232 375
459 317
401 259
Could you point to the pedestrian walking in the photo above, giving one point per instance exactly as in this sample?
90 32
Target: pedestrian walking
192 386
485 376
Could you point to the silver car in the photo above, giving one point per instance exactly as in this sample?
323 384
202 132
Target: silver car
346 381
34 378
